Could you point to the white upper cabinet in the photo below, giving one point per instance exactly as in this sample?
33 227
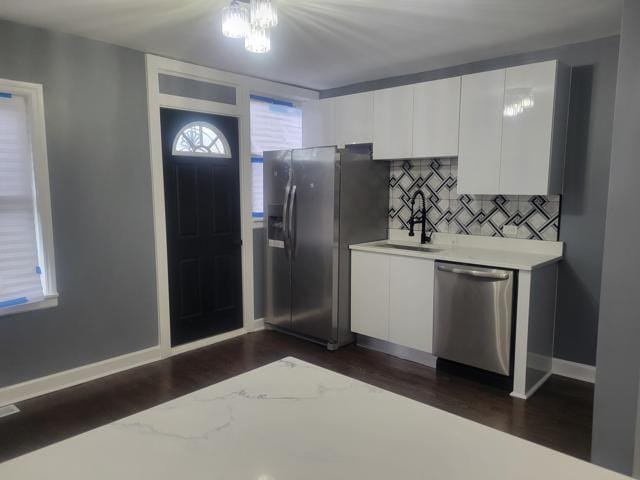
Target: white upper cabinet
318 123
392 123
354 118
436 118
528 165
481 108
513 126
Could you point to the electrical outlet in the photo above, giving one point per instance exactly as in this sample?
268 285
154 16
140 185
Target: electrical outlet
510 229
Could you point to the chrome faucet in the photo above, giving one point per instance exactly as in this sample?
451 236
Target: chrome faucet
424 237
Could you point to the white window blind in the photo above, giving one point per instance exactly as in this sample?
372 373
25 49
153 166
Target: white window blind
20 272
275 125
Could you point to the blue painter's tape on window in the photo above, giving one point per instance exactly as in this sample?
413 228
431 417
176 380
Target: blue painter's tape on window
257 214
5 95
38 270
271 100
13 302
257 160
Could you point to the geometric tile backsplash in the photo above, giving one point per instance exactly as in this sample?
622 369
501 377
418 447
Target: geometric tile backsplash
536 217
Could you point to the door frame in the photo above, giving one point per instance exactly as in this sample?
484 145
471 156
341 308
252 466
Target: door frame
245 86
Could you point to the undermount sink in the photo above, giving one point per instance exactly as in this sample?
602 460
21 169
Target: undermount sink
415 248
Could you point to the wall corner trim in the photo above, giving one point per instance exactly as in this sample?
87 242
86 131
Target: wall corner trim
69 378
577 371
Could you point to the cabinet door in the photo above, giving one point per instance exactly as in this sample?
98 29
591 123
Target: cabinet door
527 129
318 118
354 118
436 118
370 294
411 283
481 108
392 123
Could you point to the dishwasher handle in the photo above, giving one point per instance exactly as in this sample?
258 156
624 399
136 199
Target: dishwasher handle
475 273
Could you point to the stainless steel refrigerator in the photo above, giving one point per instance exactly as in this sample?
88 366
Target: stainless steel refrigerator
318 201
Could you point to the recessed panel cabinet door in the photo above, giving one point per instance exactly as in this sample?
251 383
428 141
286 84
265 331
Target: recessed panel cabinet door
527 129
354 118
481 109
370 294
392 123
411 283
436 118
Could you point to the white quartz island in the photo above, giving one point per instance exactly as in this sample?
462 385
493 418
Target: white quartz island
291 420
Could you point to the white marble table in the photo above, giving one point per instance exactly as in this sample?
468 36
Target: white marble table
291 420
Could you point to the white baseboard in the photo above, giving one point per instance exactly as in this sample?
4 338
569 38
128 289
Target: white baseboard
205 342
85 373
577 371
68 378
258 325
533 389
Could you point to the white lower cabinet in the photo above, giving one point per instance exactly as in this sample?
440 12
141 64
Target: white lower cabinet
392 298
370 294
411 282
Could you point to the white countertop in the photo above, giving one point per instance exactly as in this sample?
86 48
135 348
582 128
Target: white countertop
291 420
475 255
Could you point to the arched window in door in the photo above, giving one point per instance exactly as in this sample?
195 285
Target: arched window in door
201 139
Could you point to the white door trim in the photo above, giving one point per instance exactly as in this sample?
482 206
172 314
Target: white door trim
245 86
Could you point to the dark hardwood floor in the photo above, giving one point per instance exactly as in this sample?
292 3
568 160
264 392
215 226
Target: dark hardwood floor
558 416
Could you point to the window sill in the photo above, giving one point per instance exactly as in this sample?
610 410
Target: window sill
48 301
258 224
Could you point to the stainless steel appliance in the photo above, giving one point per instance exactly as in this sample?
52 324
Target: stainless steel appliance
473 316
318 201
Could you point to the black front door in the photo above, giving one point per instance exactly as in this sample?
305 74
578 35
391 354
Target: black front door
202 205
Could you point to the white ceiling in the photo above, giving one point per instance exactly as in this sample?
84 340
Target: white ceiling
328 43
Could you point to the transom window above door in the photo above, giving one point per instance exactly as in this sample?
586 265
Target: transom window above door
201 139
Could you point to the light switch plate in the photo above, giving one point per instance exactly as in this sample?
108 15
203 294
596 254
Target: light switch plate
510 229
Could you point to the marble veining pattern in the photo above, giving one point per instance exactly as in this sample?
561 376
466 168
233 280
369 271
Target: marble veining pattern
535 217
291 420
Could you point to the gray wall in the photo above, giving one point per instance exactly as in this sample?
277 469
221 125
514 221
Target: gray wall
97 140
584 202
618 373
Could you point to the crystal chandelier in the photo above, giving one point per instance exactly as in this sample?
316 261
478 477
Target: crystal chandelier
263 14
251 22
258 40
235 20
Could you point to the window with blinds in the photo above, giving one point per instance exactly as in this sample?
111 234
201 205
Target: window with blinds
275 125
20 267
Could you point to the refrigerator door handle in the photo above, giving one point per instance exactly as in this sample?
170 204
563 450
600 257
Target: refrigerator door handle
285 218
291 227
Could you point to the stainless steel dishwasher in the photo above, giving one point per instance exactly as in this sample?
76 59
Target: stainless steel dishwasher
473 316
